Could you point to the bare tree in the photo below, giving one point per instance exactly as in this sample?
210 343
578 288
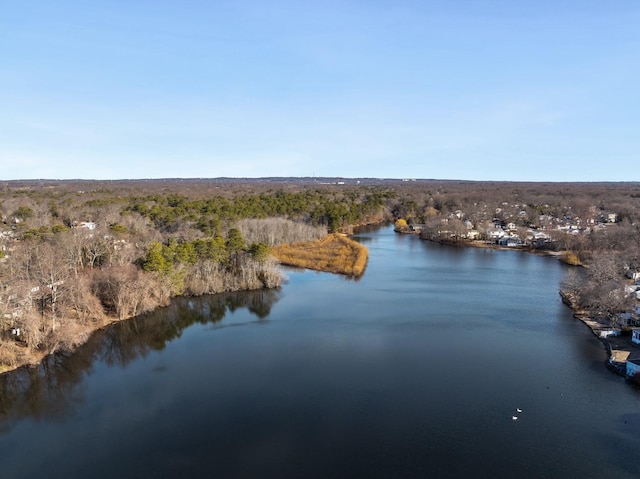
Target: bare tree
98 249
80 302
127 291
601 289
457 229
275 231
40 265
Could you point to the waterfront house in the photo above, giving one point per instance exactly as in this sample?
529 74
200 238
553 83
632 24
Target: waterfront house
539 235
633 364
540 238
605 333
495 234
629 318
635 335
509 241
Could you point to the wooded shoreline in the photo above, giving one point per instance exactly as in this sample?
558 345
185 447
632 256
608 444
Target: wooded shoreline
333 254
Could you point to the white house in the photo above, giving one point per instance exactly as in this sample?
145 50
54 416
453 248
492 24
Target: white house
635 335
495 234
89 225
605 333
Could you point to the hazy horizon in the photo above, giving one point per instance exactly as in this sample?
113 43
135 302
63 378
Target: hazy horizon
485 90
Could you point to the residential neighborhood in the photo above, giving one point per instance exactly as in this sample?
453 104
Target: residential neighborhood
511 227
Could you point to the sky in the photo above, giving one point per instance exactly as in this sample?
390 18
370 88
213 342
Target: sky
518 90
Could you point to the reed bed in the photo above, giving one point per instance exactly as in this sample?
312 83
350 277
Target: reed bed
334 254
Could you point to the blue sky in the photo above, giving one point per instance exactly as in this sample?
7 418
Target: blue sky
479 90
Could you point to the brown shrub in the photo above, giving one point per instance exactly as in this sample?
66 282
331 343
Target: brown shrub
570 258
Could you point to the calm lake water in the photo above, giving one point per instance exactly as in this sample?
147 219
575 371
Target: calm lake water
414 371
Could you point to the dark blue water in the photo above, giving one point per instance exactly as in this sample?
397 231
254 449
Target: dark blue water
413 371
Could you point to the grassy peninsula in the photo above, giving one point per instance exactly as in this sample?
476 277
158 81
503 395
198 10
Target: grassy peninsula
334 254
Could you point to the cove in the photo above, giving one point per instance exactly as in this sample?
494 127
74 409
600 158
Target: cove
414 370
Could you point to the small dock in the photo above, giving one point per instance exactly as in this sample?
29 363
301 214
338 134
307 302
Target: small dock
619 346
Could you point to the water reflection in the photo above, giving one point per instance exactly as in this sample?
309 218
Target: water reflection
51 389
413 372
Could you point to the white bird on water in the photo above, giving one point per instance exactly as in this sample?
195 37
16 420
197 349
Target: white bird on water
518 409
515 418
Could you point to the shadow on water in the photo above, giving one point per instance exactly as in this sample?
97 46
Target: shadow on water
49 390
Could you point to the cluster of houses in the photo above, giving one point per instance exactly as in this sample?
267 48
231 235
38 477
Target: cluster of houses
509 234
504 229
631 319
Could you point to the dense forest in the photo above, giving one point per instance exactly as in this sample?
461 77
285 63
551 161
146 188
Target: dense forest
76 255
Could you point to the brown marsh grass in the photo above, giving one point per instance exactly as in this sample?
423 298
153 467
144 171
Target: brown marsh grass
334 254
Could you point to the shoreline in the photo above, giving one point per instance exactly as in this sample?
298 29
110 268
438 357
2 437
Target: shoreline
37 357
481 244
617 346
83 333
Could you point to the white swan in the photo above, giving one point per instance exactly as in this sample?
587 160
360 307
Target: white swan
515 418
518 409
